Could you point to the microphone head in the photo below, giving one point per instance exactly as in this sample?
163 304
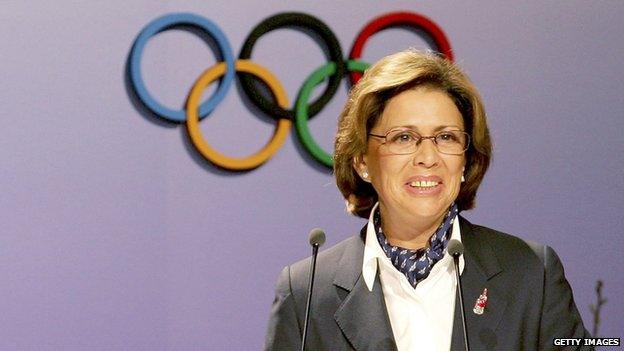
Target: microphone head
455 248
317 237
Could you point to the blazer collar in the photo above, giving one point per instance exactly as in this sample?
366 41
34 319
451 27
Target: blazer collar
479 251
362 316
480 272
349 269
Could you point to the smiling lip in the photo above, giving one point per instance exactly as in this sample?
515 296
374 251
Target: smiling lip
424 185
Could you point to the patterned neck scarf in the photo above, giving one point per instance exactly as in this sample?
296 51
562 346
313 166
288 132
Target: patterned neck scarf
417 264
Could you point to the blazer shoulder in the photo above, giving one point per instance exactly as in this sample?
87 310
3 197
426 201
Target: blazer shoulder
327 264
509 248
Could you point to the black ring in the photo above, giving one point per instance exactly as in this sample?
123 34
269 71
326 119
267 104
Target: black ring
333 52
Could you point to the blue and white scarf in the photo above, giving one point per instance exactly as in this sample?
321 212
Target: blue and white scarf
417 264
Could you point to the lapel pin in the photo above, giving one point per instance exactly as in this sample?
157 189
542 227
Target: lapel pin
480 303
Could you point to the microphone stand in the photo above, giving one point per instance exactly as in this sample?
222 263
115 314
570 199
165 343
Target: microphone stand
461 300
315 248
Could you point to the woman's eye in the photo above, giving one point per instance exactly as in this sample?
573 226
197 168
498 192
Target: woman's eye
402 138
447 137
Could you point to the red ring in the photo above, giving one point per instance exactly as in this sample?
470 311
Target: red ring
394 19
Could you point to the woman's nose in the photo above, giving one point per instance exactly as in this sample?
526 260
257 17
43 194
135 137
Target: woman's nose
426 153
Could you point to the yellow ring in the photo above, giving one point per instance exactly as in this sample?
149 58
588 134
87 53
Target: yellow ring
192 118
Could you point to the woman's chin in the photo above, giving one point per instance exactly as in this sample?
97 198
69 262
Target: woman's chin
428 210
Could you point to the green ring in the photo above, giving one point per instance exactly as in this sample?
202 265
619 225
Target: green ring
301 108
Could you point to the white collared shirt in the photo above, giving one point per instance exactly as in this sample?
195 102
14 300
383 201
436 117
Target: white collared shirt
421 317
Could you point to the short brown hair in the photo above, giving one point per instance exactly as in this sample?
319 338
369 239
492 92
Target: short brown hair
385 79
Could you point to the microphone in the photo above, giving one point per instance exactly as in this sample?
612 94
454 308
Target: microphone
316 239
455 248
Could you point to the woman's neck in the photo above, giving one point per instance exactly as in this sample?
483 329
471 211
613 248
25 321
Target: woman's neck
407 231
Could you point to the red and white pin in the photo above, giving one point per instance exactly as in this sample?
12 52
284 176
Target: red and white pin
481 302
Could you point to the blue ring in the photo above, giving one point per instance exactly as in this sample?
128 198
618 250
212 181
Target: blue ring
162 24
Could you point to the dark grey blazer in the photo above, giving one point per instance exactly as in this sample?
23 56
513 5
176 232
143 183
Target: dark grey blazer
529 300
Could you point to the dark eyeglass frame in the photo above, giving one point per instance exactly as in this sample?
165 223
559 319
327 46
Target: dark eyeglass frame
420 138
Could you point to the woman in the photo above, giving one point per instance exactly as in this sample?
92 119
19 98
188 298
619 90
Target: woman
411 150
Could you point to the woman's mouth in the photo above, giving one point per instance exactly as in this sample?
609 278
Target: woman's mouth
425 184
424 187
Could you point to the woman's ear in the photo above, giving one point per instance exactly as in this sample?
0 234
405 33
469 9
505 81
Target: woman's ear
359 164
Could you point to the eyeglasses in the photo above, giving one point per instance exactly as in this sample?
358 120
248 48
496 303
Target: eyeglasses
406 141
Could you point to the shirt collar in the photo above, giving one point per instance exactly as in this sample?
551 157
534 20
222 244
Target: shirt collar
373 251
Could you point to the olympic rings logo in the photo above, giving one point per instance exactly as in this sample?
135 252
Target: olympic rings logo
248 71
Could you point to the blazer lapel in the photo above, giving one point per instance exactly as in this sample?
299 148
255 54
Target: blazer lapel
481 268
362 316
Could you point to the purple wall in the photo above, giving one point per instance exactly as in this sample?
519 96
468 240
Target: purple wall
118 235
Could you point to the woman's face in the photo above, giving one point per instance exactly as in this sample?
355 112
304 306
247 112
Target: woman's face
421 185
